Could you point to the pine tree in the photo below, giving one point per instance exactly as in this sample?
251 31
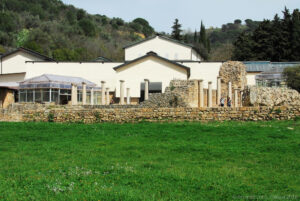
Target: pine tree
263 46
195 37
176 33
286 31
277 38
203 38
295 36
243 48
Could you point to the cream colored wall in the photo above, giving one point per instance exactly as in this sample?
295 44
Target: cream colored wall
15 63
251 78
207 71
162 47
17 77
149 68
94 72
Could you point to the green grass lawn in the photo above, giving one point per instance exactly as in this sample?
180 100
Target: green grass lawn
150 161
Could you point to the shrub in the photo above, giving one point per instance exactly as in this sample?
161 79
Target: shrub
292 77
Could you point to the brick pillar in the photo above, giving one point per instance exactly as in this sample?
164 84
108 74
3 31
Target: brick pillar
103 93
128 96
229 90
92 96
146 89
74 94
83 93
236 97
209 94
219 90
201 94
122 92
107 96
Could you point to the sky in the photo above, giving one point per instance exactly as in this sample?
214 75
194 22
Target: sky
162 13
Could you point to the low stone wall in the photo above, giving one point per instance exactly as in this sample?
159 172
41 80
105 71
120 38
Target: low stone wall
271 96
136 114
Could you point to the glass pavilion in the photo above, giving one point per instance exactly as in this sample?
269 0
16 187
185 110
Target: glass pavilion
56 89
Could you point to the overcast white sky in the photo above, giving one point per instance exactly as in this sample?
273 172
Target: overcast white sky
161 13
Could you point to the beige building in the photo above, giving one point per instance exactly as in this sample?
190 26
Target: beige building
157 59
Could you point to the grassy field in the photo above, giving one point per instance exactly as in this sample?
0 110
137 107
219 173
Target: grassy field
150 161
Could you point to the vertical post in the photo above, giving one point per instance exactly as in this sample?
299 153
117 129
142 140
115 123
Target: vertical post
107 96
128 96
92 96
103 93
209 94
50 94
83 93
74 94
122 92
241 104
146 89
229 90
236 97
219 90
201 93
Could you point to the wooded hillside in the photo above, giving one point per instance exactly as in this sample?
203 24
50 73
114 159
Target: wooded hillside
65 32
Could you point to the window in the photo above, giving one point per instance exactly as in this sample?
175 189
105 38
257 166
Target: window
23 96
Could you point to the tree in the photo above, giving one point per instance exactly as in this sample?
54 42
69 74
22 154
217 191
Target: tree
295 36
292 76
195 37
203 37
277 37
22 37
88 27
243 47
142 25
176 33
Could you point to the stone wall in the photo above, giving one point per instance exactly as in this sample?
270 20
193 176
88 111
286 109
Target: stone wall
6 97
268 96
234 72
91 114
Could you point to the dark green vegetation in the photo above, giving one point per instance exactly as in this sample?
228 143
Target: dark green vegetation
292 75
216 44
276 40
65 32
150 161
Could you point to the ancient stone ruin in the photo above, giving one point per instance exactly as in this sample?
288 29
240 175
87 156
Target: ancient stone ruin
234 72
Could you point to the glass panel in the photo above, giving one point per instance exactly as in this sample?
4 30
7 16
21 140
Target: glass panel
54 96
29 95
79 96
22 95
45 95
88 97
65 92
38 96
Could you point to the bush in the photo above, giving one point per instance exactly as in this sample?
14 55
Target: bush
292 76
88 27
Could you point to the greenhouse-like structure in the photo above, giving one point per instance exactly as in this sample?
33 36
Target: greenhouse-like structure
57 89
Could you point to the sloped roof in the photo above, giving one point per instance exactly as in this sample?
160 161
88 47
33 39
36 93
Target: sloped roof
162 37
49 78
28 51
153 54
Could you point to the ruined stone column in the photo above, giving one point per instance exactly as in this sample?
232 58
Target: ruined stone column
146 89
83 93
107 96
241 98
209 94
122 92
236 97
74 94
201 93
230 90
92 96
128 96
219 90
103 93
